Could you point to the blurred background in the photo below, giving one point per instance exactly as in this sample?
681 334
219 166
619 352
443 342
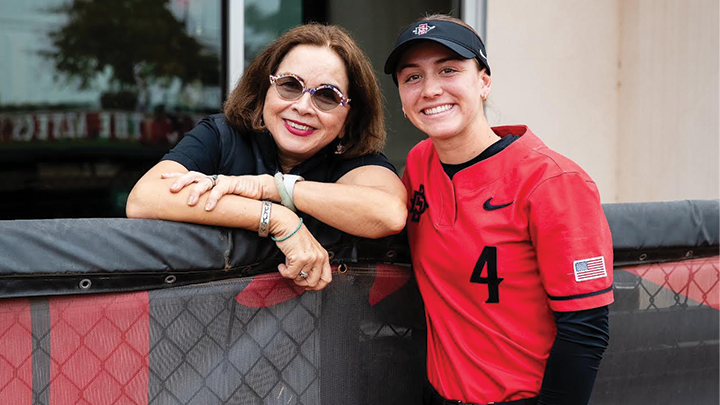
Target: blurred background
93 93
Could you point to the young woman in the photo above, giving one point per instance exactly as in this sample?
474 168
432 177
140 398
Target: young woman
510 246
300 136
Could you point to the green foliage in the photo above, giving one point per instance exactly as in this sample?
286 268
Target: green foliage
136 39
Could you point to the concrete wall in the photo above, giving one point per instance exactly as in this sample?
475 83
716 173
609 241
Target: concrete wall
668 145
628 89
554 66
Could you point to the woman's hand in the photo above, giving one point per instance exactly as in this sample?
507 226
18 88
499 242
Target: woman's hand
261 187
306 261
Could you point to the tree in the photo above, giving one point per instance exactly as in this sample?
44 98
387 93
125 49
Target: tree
138 40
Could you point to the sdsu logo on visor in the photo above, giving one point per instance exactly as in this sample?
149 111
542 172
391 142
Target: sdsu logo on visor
422 29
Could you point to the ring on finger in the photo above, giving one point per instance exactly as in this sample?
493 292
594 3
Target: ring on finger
213 179
303 274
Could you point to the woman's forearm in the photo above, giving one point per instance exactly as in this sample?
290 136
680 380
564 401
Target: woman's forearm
151 198
358 209
367 201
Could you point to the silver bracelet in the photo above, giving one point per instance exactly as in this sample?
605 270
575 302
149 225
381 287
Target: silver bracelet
265 219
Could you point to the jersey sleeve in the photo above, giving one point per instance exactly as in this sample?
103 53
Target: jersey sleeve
199 149
572 241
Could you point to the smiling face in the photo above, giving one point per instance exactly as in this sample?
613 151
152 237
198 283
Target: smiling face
441 92
298 127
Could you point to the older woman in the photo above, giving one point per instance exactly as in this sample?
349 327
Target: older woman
300 134
519 314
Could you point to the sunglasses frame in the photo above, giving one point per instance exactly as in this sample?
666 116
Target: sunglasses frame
343 101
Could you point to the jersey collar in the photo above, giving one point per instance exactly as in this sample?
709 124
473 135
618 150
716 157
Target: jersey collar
494 167
472 178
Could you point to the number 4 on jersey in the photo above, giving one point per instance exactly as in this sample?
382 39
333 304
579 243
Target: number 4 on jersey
489 257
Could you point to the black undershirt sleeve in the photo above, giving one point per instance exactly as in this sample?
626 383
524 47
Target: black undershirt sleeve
582 337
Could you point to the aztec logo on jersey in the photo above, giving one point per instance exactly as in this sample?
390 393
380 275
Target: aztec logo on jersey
589 269
422 29
419 204
491 207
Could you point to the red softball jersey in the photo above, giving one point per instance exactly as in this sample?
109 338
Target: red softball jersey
495 250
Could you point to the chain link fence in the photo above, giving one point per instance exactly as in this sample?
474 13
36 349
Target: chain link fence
663 335
255 340
262 340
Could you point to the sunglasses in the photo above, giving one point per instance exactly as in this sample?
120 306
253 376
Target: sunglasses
325 96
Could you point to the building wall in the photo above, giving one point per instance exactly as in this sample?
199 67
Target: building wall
628 89
668 134
554 66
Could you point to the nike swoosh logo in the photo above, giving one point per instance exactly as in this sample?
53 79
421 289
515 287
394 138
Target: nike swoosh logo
491 207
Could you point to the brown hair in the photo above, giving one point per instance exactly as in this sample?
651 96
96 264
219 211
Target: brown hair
445 17
365 124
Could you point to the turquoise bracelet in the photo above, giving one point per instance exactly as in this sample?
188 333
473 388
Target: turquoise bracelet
291 233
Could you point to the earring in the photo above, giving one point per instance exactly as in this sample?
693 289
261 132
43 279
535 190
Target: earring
339 149
404 115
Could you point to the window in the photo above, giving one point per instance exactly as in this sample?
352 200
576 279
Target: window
92 93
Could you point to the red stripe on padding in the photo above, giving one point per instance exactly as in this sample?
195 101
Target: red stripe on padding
99 347
697 279
388 279
15 352
267 290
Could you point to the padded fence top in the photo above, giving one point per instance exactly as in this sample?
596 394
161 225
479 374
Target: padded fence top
687 223
663 231
70 256
75 256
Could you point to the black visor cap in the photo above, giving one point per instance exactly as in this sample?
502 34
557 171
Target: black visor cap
456 37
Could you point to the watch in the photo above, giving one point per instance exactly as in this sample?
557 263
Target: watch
286 186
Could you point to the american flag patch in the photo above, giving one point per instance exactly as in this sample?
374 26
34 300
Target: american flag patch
589 269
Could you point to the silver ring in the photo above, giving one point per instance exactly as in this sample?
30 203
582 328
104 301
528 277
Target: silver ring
213 179
303 274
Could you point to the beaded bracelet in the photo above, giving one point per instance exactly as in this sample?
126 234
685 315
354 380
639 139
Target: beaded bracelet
274 239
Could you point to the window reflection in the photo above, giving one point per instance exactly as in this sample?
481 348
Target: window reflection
93 91
266 20
107 70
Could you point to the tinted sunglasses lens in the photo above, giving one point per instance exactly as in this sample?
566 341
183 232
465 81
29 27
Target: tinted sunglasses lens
326 99
289 87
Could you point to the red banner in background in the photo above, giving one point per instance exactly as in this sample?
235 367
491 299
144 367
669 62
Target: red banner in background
128 126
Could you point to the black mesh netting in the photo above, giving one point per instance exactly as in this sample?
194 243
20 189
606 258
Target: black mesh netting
664 328
95 312
255 340
261 340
